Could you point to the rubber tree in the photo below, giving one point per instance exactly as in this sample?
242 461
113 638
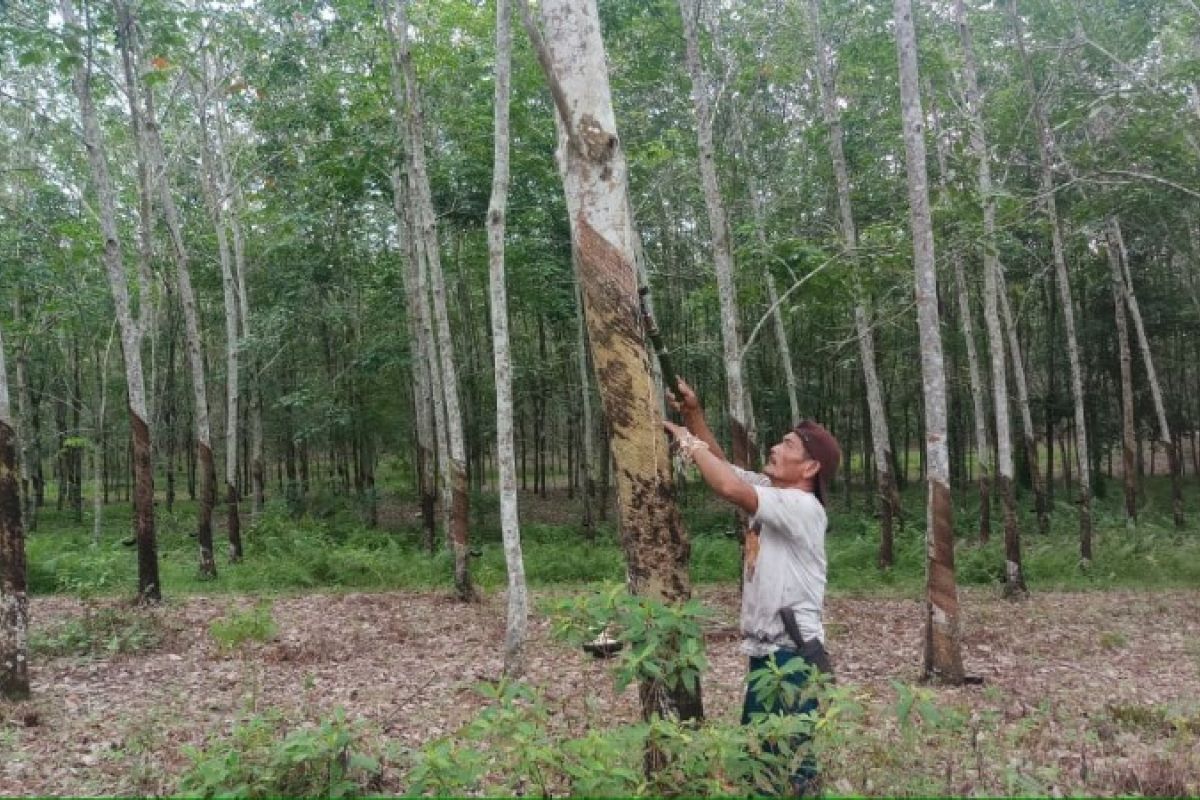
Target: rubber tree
149 588
943 653
510 530
595 177
14 600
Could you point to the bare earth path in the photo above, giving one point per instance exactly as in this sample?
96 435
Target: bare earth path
1095 693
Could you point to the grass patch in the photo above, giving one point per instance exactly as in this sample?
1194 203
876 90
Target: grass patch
104 631
332 549
240 627
262 757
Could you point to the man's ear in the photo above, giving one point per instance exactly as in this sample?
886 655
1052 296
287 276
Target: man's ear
810 468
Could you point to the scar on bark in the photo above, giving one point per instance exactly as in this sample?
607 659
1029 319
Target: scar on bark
599 144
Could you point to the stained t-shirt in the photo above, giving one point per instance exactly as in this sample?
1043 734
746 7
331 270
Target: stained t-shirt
784 566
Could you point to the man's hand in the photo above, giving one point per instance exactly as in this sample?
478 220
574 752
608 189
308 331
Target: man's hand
712 465
686 403
677 431
683 401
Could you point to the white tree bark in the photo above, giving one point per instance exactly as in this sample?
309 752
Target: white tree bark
718 222
983 456
518 603
889 496
1128 433
149 588
25 426
1028 433
1160 411
1045 144
1014 584
943 657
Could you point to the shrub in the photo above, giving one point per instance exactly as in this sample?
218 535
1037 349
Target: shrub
254 625
99 632
258 759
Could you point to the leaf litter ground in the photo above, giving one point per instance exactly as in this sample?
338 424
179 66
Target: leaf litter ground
1092 693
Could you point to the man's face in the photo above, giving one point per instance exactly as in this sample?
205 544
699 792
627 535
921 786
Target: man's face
789 462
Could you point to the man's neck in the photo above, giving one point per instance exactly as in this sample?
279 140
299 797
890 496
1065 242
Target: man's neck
804 485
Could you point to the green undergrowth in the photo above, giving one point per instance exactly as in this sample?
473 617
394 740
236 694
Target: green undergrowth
901 740
332 549
101 631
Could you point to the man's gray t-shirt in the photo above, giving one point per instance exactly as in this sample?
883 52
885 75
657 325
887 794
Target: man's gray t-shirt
784 566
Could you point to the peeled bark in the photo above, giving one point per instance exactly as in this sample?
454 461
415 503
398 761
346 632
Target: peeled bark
737 394
595 183
943 657
14 600
1128 433
889 495
1063 279
1014 578
1160 411
149 589
518 604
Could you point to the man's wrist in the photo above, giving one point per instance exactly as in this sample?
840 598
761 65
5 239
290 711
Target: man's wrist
688 445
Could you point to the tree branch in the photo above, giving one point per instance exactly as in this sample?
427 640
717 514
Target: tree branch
1143 176
543 56
782 297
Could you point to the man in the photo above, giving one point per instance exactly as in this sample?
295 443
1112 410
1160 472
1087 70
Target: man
784 571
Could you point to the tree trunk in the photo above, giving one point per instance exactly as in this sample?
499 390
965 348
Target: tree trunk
14 601
1014 578
26 429
587 434
983 455
1128 432
1062 278
737 393
218 199
419 343
149 589
203 481
1037 477
889 495
101 413
1160 412
518 604
253 405
943 657
593 162
430 259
